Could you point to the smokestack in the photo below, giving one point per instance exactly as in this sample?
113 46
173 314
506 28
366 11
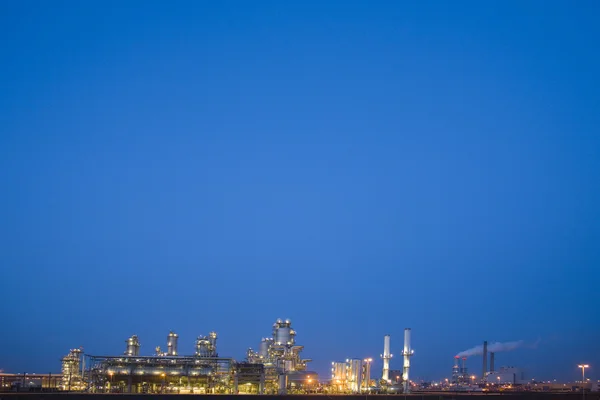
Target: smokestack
386 358
485 351
407 353
492 361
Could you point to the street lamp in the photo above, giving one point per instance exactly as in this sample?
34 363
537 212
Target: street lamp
583 367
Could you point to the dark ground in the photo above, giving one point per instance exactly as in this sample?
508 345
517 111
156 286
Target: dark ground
419 396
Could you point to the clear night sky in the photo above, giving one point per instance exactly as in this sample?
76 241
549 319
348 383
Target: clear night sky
356 166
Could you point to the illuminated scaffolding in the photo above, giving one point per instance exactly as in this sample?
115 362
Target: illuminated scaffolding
280 355
72 371
160 374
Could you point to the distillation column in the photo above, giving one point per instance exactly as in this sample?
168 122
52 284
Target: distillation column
407 353
172 344
386 358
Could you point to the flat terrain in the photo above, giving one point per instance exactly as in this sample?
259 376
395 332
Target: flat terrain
417 396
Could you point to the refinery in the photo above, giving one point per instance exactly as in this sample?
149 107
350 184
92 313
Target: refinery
276 367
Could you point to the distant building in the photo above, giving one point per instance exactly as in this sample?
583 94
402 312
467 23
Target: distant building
29 382
506 376
395 376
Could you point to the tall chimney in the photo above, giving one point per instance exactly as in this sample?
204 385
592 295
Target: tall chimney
407 353
492 361
386 358
483 374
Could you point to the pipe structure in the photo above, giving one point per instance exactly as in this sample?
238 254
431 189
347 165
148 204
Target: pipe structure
485 351
283 381
386 358
407 354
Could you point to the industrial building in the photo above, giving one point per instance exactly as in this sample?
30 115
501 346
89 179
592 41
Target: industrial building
506 376
502 376
73 371
30 382
354 375
163 372
489 375
395 376
279 354
277 367
460 373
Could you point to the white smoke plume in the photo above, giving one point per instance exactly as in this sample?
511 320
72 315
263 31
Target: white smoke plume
492 348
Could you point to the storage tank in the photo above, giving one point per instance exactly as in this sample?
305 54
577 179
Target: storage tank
172 344
133 346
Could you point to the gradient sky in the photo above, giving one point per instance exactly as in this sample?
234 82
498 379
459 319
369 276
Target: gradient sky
356 166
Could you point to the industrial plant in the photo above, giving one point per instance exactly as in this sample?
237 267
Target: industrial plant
354 375
462 380
276 367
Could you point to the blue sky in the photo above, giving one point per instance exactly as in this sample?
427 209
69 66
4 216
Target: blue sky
359 167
